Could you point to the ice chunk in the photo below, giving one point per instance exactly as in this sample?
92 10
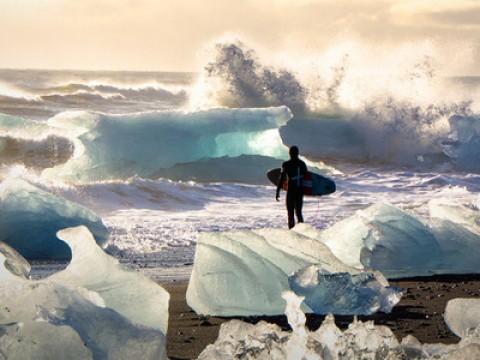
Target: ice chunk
134 296
384 238
459 247
463 316
344 293
30 217
400 244
245 272
362 340
63 317
459 214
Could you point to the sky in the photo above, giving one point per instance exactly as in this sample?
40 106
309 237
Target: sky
168 35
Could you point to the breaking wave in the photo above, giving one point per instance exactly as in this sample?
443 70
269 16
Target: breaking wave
45 97
341 111
145 92
406 118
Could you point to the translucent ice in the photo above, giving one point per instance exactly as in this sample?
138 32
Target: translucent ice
400 244
384 238
344 293
135 297
64 317
245 273
122 146
30 217
459 214
362 340
463 316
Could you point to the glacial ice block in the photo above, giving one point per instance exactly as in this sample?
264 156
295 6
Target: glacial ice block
384 238
245 272
134 296
401 244
30 218
343 293
459 214
463 316
63 316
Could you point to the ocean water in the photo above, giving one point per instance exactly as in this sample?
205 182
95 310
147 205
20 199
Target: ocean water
163 156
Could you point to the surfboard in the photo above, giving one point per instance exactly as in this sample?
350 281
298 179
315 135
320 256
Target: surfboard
313 184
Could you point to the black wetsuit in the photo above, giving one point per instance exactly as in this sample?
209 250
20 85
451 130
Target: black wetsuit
294 170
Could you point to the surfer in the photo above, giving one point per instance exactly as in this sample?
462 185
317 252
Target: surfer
294 170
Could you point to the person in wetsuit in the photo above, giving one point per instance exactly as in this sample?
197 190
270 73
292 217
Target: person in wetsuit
294 170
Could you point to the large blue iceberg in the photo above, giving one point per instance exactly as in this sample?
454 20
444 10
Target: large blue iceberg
30 218
113 147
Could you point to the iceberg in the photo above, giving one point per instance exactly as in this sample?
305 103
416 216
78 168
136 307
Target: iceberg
30 217
121 146
94 309
245 169
245 273
384 238
362 340
400 244
343 293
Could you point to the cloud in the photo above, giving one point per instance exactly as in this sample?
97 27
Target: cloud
166 34
458 13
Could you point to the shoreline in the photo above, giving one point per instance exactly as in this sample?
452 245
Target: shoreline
419 313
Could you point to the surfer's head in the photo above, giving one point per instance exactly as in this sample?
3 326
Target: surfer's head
293 152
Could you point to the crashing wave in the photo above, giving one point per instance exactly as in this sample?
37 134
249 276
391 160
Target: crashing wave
240 80
31 143
383 125
385 132
93 309
35 154
77 94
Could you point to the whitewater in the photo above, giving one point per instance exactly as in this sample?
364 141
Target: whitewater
162 157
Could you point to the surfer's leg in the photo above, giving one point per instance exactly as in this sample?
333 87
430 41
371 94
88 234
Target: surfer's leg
290 209
298 207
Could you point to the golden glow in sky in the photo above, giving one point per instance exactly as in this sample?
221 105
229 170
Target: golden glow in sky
168 34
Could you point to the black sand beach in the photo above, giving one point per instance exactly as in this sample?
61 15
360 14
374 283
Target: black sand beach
419 313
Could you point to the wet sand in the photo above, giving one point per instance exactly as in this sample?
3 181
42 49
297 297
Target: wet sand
419 313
